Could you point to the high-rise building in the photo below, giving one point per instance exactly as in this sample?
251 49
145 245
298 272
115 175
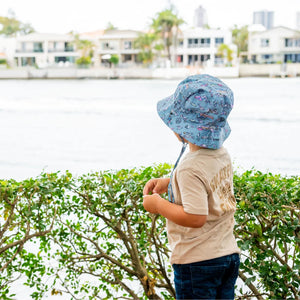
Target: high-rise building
200 17
264 17
298 20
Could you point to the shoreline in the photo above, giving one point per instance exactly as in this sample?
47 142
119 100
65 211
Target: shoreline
241 71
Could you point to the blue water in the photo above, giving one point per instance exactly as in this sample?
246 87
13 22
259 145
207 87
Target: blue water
88 125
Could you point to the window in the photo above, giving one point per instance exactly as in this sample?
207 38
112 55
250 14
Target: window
69 47
267 57
264 42
38 47
193 43
219 60
197 43
292 42
127 57
127 45
219 41
204 58
64 59
179 58
27 61
294 58
288 42
205 42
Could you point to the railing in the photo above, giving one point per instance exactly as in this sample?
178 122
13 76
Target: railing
30 50
42 50
61 50
198 45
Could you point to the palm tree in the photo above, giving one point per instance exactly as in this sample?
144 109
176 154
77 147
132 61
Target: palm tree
167 25
225 51
86 46
147 43
240 38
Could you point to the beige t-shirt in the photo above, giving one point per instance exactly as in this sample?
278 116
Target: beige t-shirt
203 184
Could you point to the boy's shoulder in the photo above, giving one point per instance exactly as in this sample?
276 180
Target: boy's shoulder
206 155
205 162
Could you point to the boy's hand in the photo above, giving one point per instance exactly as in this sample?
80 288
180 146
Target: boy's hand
157 186
151 203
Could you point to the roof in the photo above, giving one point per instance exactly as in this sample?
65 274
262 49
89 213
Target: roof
37 37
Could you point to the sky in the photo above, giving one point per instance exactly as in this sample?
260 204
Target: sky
62 16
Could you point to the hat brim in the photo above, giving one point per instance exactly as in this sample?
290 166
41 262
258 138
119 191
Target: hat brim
212 138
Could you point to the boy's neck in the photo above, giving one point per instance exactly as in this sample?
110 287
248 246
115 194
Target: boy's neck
194 147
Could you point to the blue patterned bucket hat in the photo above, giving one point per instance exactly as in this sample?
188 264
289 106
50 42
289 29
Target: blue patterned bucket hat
198 110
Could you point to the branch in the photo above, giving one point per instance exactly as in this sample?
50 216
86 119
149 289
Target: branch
251 286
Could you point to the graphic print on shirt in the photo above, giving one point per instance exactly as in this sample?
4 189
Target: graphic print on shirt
221 184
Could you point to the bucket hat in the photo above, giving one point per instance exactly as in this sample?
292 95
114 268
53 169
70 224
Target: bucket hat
198 110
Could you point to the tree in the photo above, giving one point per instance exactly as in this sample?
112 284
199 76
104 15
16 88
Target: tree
166 24
11 26
240 38
225 52
86 48
147 43
110 26
114 59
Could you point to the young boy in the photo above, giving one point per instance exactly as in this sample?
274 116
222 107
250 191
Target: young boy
200 211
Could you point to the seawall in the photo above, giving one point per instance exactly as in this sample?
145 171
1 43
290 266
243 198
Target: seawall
243 70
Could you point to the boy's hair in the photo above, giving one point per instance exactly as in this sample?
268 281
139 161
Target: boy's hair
198 110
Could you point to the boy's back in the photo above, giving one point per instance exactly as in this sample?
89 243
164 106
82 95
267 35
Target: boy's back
203 185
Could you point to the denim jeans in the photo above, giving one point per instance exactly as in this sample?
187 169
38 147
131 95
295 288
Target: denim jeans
209 279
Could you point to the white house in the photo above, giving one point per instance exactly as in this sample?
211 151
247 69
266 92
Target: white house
277 45
44 50
199 47
114 42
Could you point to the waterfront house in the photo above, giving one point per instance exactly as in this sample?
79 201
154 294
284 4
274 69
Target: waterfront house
45 50
198 47
114 42
277 45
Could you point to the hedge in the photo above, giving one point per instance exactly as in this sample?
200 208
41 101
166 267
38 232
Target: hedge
89 236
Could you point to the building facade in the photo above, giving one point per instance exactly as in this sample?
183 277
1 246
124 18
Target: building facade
298 20
264 17
199 47
200 17
114 42
45 50
277 45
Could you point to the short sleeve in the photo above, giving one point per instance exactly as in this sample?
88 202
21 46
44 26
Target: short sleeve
193 193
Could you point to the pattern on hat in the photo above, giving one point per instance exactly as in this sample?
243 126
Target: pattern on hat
198 110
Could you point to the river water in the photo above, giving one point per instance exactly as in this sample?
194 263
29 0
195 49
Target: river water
89 125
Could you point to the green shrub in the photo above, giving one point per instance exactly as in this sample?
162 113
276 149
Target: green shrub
3 61
83 61
102 243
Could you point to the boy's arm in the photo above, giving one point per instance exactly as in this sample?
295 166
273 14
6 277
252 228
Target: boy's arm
173 212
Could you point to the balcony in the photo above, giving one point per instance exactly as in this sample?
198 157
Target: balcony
55 50
199 45
30 50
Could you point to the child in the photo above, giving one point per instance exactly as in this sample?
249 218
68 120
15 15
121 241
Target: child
200 211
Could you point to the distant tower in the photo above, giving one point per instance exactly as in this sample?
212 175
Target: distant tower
200 17
264 17
298 20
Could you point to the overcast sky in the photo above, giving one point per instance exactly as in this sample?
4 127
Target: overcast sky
61 16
